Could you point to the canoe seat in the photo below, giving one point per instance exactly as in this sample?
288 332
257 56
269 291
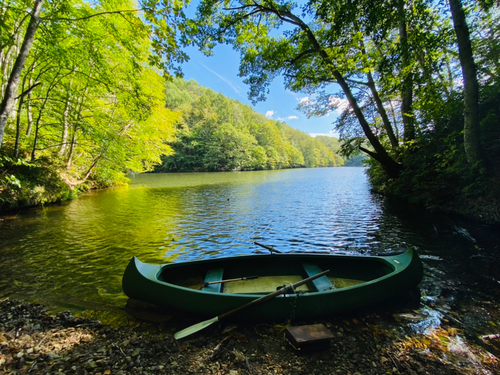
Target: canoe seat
214 275
321 283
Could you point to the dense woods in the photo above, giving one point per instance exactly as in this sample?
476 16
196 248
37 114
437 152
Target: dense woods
220 134
83 93
81 105
84 102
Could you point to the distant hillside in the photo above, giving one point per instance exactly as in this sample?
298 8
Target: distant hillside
216 133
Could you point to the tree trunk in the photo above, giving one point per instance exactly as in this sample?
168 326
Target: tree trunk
29 113
13 82
382 112
380 106
390 166
64 136
72 146
18 120
471 87
406 77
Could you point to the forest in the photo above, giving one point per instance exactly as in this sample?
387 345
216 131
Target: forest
88 94
220 134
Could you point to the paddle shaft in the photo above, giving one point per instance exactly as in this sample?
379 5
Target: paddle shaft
268 297
199 326
229 280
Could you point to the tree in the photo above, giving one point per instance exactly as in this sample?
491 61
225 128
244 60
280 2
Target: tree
407 84
9 96
303 54
88 100
216 133
164 37
471 87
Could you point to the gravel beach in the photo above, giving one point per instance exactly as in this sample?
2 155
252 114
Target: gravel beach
32 341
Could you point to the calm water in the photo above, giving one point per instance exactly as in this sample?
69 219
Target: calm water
73 255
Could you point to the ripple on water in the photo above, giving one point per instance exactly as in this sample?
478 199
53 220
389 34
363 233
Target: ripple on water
80 249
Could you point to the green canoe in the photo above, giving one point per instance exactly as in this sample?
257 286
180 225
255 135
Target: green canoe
205 286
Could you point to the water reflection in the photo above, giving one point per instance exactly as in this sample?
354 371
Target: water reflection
74 254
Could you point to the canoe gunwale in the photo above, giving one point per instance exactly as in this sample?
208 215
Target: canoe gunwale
392 261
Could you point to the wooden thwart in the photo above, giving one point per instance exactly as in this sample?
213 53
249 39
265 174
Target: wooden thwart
213 275
321 283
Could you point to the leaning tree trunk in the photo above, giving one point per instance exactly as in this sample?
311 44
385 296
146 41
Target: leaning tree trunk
471 88
378 101
390 166
382 112
13 83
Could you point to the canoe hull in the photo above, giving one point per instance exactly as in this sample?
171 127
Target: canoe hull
390 275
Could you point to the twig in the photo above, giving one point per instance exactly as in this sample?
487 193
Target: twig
44 338
247 363
116 346
495 336
270 248
32 365
217 349
394 362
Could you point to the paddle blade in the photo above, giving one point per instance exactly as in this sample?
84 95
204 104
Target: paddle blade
195 328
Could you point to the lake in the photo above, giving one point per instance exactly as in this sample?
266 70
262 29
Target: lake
72 255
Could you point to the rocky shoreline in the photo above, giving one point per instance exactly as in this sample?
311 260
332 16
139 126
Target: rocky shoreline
34 342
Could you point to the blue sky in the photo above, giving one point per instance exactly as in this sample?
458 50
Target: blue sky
220 73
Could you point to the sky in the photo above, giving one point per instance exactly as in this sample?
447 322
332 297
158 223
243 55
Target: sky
220 73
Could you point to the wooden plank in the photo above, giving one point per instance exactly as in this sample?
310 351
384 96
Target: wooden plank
309 337
321 283
214 275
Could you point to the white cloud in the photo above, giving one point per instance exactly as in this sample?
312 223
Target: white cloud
287 118
331 133
340 105
336 104
305 100
269 114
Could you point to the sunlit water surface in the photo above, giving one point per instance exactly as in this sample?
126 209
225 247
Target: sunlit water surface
73 255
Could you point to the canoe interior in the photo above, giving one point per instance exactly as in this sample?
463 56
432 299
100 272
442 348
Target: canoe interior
273 272
267 284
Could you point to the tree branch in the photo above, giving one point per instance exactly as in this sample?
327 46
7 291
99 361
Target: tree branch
92 15
357 82
28 90
302 54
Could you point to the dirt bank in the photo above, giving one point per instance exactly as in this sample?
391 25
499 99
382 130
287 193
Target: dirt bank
34 342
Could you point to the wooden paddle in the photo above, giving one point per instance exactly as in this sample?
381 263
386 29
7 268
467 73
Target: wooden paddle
230 280
199 326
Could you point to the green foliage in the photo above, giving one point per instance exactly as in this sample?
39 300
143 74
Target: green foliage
92 104
27 184
91 107
219 134
437 174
